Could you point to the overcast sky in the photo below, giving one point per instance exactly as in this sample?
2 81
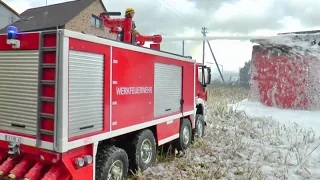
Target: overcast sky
186 17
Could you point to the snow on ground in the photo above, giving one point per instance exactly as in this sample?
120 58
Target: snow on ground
246 140
297 137
306 119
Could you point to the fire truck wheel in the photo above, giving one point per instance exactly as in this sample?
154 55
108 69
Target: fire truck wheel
144 155
185 136
111 163
200 125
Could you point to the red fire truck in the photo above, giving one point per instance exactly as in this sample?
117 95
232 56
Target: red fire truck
81 107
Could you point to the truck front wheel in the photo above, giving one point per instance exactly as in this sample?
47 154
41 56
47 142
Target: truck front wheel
144 146
111 163
200 125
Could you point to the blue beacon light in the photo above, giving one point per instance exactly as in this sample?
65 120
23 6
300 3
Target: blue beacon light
12 32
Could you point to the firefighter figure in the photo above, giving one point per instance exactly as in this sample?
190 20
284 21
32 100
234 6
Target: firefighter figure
130 14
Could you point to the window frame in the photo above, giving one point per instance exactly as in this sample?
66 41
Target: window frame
95 20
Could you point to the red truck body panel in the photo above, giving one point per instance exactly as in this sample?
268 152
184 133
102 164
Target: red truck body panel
137 69
132 69
25 42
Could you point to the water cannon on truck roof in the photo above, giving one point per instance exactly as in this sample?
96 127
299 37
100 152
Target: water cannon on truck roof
116 24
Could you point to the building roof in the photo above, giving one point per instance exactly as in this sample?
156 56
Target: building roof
51 16
8 7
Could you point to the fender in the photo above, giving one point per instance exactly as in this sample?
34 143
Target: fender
203 103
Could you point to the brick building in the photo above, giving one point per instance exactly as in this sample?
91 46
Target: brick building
78 15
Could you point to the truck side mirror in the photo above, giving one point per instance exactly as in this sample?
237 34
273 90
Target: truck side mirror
204 74
208 76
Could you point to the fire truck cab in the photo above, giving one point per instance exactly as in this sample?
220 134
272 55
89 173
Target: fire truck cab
76 106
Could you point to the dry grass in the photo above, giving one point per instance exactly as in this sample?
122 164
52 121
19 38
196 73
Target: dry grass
240 147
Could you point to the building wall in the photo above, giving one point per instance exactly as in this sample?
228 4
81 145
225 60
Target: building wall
6 16
82 22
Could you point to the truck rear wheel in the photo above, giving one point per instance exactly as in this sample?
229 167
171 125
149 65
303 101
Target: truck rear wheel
111 163
144 154
185 136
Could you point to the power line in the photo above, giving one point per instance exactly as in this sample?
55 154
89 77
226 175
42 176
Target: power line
173 9
181 13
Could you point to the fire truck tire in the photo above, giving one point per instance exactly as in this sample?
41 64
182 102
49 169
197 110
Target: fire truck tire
145 150
185 136
111 162
200 126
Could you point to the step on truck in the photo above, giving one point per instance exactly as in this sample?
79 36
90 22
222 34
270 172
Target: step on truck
76 106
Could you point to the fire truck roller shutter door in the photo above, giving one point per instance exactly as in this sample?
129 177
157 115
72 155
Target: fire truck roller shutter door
19 91
85 92
167 89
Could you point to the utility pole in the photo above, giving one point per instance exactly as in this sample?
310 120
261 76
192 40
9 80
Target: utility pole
215 60
204 32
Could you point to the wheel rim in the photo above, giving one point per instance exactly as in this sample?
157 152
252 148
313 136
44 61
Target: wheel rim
146 151
199 129
116 170
186 135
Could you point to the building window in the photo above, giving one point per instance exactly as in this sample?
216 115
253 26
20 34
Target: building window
96 22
